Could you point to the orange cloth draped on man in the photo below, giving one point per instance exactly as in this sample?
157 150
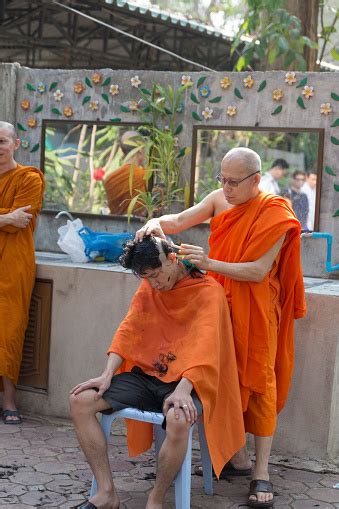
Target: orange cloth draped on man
262 313
117 187
190 327
21 186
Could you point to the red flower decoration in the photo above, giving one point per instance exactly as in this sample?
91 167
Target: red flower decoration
99 173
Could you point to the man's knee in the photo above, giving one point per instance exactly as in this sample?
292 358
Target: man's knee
176 429
83 403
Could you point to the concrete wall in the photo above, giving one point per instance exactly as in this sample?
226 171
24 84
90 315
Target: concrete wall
254 110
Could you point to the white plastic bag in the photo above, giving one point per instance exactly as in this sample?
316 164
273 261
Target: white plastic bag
70 241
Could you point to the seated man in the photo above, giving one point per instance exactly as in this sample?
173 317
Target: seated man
175 354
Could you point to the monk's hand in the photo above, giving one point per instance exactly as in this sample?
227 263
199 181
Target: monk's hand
101 383
20 217
152 227
195 255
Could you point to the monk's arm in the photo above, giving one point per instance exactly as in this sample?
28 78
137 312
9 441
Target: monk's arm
12 221
175 223
254 271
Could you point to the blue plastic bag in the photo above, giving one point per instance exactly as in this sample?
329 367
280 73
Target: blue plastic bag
107 245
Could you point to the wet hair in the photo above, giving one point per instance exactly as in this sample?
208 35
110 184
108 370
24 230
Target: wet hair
10 128
298 172
142 256
281 163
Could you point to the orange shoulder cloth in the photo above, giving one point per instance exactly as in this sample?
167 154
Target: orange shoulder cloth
189 329
243 234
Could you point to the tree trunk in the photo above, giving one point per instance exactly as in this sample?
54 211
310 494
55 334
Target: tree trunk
307 11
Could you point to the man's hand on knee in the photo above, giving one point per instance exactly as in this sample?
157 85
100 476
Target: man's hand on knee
101 383
181 399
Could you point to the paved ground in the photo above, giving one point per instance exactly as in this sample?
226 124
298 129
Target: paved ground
41 466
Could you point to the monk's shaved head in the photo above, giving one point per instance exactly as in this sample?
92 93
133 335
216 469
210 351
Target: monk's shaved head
248 159
9 128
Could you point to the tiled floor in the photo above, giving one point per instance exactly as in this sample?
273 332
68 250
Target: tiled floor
41 466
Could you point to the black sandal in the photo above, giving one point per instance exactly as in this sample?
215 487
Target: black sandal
85 505
11 413
260 486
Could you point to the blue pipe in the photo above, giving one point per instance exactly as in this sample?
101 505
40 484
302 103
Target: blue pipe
329 238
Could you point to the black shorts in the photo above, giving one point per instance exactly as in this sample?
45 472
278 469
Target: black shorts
138 390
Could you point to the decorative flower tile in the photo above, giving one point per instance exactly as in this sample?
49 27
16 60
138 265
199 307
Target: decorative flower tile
94 105
205 91
207 113
135 82
325 108
25 143
277 94
186 80
68 111
32 122
25 104
97 78
225 83
133 105
78 87
114 89
248 81
42 87
231 111
290 78
308 91
58 95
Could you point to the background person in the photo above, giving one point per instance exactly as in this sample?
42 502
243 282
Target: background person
21 191
299 199
269 181
309 188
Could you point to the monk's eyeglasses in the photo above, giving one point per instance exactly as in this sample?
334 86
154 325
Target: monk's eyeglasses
232 182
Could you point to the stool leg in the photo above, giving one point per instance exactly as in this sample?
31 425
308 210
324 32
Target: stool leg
106 424
205 459
183 478
159 437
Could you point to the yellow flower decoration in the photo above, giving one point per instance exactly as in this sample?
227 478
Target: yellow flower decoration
133 105
186 80
97 78
277 94
68 111
308 91
207 113
114 89
25 104
94 105
79 87
248 82
135 82
225 83
231 111
325 108
290 78
32 122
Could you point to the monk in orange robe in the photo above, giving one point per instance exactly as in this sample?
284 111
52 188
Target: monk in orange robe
175 353
118 186
21 190
255 256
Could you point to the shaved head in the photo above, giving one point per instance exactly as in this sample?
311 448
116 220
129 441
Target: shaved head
246 158
9 128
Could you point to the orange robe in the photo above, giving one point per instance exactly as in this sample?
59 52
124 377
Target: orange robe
117 187
192 322
244 233
24 185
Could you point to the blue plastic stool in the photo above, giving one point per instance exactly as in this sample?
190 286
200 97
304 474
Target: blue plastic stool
183 478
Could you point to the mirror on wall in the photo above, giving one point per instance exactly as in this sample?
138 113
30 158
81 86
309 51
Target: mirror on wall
291 164
93 168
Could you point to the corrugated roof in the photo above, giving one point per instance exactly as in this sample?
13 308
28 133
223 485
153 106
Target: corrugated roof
175 19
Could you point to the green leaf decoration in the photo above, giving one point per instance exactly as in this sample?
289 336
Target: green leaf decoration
238 93
196 116
52 87
194 98
105 98
335 123
39 108
182 152
86 99
21 127
178 129
215 99
147 109
335 96
301 102
145 91
301 83
336 187
116 119
168 112
30 87
201 81
262 86
330 171
336 214
277 110
106 82
56 111
88 82
35 148
334 140
124 109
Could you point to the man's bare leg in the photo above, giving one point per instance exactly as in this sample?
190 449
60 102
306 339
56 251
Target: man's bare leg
84 407
9 398
241 460
263 447
171 456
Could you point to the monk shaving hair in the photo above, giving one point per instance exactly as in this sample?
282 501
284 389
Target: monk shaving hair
21 190
255 256
175 354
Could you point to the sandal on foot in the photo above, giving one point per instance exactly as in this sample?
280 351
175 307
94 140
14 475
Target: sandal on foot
260 486
85 505
11 413
228 470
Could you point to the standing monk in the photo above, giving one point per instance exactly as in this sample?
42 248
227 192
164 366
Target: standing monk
255 255
21 190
